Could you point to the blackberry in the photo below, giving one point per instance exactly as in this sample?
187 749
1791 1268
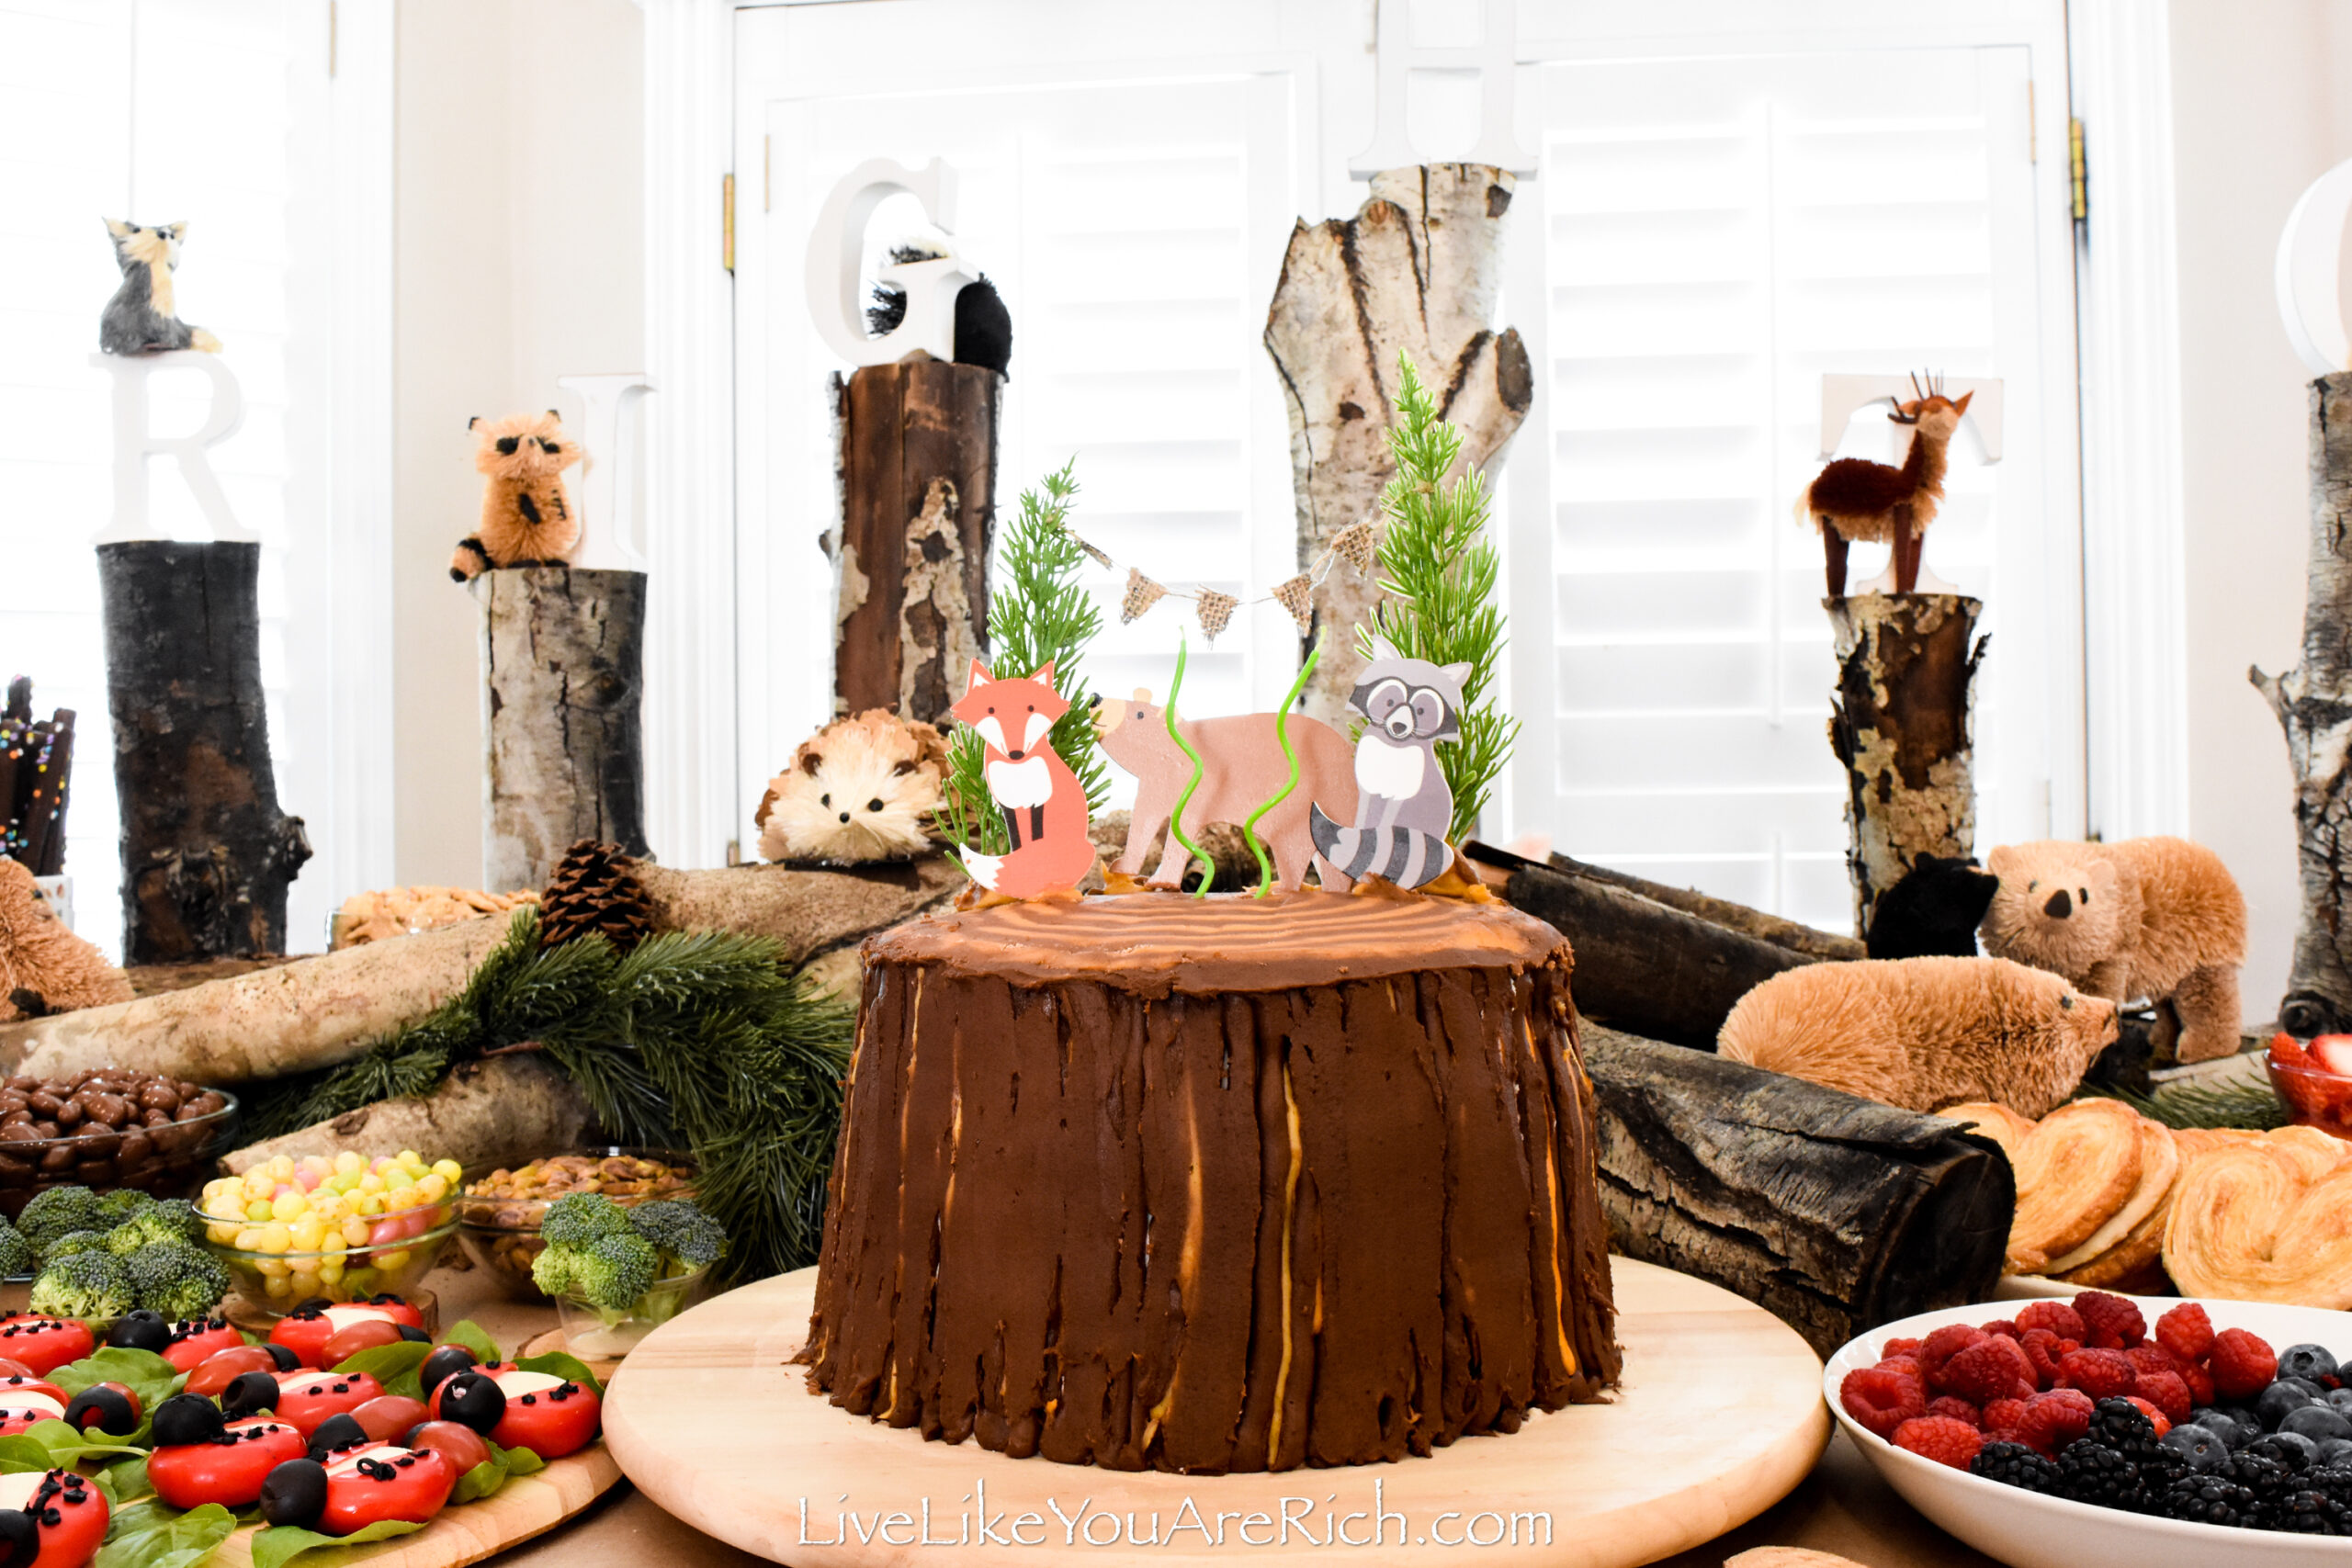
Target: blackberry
2314 1362
2292 1450
2090 1472
2309 1513
2206 1500
2268 1479
2122 1426
2015 1464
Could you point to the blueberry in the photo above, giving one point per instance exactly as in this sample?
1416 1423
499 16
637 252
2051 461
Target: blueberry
2275 1401
2341 1398
2336 1453
2234 1427
2290 1449
2200 1449
2305 1384
2311 1361
2317 1421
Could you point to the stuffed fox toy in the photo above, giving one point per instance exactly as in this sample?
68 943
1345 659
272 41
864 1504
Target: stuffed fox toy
526 518
142 316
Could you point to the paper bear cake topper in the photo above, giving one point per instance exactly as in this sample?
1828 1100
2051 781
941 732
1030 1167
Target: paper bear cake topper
1044 804
1404 806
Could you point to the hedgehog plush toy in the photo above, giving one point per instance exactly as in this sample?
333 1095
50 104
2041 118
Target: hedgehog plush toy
860 789
526 518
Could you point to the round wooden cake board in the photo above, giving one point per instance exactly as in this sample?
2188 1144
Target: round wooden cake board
1719 1418
555 1340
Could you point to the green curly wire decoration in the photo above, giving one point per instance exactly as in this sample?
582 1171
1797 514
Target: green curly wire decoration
1176 817
1290 755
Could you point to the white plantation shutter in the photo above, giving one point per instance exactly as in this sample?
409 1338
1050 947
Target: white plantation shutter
1717 233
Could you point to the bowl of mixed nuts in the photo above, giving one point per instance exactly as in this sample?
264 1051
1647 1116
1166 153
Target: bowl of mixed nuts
499 1213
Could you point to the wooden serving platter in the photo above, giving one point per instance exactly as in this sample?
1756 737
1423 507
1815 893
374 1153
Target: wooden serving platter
1719 1418
527 1505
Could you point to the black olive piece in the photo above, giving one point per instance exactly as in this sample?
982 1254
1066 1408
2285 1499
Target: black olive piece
19 1539
249 1394
315 1306
473 1400
284 1356
336 1432
188 1419
413 1335
108 1409
443 1362
295 1493
141 1331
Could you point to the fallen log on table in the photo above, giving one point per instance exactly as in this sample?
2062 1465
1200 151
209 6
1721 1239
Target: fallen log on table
1795 935
1642 967
500 1110
1835 1213
808 911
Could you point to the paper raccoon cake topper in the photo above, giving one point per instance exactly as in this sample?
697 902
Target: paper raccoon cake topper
1044 804
1404 806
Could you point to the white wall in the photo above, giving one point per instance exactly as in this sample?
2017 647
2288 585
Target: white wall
2262 103
520 217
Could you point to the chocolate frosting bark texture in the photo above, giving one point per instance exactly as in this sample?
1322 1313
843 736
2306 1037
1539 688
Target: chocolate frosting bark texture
1214 1185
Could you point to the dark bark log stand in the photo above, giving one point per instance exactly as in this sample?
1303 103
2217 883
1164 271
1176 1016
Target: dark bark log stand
562 730
207 854
917 473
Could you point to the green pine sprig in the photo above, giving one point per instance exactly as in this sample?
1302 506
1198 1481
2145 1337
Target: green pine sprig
1041 615
1439 571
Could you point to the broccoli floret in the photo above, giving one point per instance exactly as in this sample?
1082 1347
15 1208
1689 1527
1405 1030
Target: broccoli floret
16 1254
62 1209
578 1218
73 1242
176 1279
175 1219
681 1230
551 1269
123 1203
126 1239
609 1273
85 1284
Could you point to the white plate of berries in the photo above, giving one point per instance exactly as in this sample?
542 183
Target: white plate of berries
2103 1429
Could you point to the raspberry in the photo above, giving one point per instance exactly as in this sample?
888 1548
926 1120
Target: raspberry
1992 1369
2114 1323
2054 1420
2102 1374
1955 1408
2056 1317
2043 1351
2199 1381
2243 1364
1900 1347
2002 1326
1942 1346
2168 1392
1908 1366
2185 1331
1940 1438
1881 1401
2002 1415
2146 1359
2156 1418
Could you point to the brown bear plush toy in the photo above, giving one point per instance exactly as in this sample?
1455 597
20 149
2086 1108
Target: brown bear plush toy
527 519
44 968
2155 917
1924 1032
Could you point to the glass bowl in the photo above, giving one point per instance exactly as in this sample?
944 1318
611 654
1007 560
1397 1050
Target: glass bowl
589 1332
169 1161
2313 1097
275 1282
501 1235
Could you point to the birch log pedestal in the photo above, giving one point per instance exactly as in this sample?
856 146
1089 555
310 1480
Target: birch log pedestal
562 726
1719 1416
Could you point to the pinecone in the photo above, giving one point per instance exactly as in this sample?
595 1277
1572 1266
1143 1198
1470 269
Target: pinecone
595 888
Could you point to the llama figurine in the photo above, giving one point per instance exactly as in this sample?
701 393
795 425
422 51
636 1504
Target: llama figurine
1855 499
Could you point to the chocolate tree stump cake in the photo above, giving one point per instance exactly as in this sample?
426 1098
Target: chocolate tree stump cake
1217 1184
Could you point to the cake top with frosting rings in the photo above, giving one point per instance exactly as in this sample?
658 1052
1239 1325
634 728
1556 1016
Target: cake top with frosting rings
1155 943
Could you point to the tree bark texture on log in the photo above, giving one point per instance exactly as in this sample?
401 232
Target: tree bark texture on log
917 476
2313 702
497 1111
1835 1213
563 733
207 854
1415 272
1642 967
1794 935
1900 723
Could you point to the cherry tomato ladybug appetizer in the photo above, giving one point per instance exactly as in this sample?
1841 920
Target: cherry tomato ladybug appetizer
20 1418
24 1400
191 1343
217 1372
302 1398
140 1330
200 1458
306 1329
113 1407
42 1345
356 1488
444 1360
389 1417
462 1446
517 1409
51 1519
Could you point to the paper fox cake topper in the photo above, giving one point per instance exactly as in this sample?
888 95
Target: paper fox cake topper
1404 806
1044 805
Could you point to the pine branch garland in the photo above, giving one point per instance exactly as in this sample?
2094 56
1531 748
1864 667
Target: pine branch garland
2189 1103
1439 571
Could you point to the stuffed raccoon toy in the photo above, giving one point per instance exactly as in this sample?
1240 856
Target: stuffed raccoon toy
983 326
860 789
138 319
527 519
